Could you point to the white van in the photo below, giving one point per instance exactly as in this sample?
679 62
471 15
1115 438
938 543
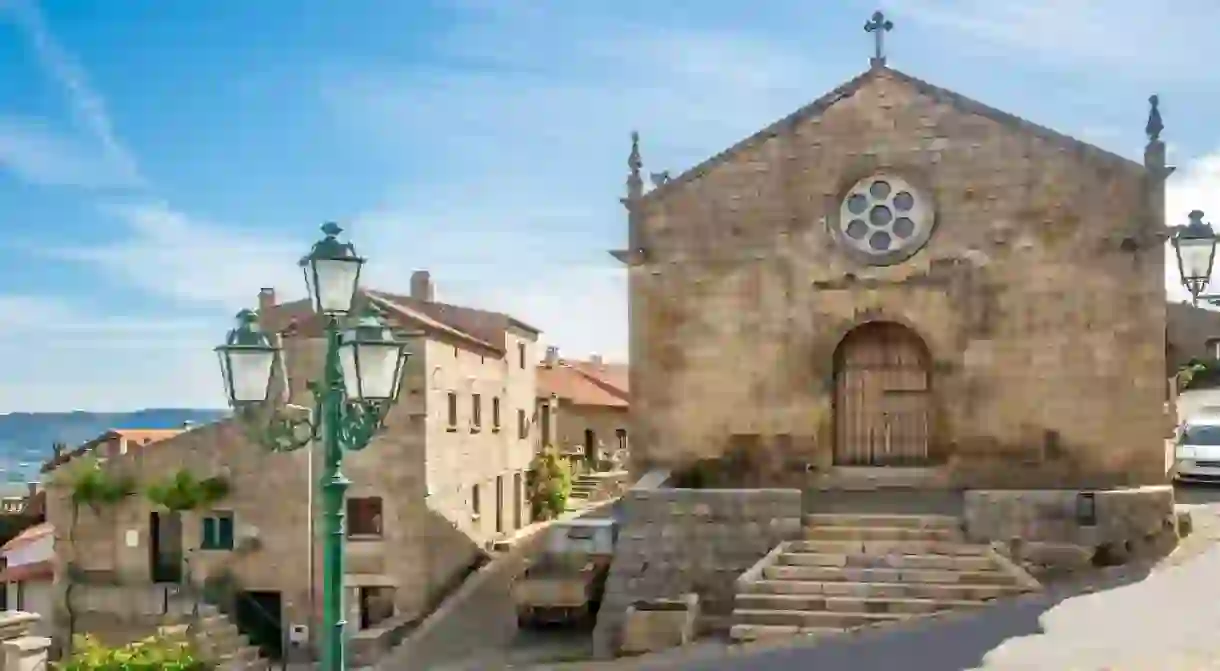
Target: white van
1196 455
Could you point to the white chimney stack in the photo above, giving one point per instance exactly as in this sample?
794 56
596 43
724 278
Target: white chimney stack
552 356
421 286
596 359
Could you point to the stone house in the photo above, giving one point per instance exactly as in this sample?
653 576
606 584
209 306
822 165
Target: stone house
443 480
591 403
26 574
1192 333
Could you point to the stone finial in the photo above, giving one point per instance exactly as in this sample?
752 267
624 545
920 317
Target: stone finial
1155 124
878 25
635 183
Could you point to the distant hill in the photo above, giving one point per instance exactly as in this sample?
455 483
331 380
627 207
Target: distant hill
26 437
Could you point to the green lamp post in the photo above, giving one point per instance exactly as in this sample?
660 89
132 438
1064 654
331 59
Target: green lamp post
361 378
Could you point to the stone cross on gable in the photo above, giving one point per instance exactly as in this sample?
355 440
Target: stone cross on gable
878 26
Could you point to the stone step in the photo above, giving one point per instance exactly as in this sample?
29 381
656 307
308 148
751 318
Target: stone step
821 619
846 604
884 520
877 547
841 533
894 590
887 575
945 562
742 633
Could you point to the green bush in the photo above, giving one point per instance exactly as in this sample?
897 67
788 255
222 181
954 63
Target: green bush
161 653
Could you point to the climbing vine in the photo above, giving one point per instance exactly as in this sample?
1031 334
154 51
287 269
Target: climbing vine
96 488
184 492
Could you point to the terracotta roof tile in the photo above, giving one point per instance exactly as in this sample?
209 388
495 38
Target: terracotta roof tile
29 535
481 328
585 383
137 435
39 570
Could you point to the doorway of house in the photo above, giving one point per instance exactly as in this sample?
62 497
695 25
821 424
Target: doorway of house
590 449
517 489
258 615
882 375
165 546
499 504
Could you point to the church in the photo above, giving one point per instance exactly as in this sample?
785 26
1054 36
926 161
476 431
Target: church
898 328
896 277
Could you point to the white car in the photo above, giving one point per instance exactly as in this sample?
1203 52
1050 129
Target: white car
1196 454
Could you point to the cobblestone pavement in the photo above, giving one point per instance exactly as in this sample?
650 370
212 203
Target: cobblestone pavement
1159 618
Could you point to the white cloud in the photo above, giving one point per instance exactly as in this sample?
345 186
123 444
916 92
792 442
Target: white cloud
41 155
526 156
1135 38
1195 187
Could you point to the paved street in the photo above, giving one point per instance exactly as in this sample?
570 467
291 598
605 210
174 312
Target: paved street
1166 620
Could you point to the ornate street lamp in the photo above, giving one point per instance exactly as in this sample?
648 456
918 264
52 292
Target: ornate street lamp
1195 246
361 378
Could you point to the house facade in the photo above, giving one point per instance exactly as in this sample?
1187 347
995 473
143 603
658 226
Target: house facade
591 405
26 571
444 478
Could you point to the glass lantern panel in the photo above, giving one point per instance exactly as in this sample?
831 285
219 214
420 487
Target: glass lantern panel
378 368
1196 257
336 283
250 373
225 375
351 370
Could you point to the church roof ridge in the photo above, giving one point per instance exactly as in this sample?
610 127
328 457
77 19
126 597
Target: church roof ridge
850 87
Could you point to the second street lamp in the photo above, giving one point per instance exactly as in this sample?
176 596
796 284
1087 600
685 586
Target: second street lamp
361 378
1195 247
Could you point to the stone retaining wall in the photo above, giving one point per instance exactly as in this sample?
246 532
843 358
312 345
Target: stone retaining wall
678 541
1120 515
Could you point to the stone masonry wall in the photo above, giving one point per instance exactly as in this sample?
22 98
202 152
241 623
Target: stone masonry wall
1046 333
1121 515
676 541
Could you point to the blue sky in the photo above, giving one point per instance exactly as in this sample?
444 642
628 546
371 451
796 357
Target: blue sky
162 161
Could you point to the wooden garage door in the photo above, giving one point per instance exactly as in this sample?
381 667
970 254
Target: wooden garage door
881 397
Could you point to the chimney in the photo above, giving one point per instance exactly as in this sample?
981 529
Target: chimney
595 359
552 356
421 286
266 300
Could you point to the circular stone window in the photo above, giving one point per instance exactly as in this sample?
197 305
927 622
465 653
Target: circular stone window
884 220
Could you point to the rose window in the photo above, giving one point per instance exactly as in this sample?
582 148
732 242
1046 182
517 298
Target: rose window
885 219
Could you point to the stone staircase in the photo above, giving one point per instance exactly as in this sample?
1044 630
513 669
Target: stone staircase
855 571
218 640
583 488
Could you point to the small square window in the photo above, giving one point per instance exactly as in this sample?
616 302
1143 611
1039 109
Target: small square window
364 517
217 532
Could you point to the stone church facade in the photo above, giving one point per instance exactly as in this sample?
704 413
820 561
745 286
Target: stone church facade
898 276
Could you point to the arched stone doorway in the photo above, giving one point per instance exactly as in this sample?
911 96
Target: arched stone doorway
881 397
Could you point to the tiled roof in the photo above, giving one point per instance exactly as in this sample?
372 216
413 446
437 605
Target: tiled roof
28 536
585 383
137 435
481 328
34 571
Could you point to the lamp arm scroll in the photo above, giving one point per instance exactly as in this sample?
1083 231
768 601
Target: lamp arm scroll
361 422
